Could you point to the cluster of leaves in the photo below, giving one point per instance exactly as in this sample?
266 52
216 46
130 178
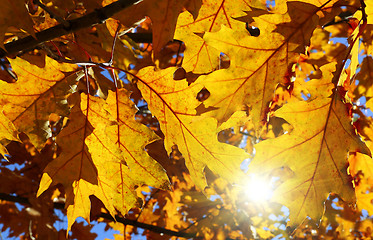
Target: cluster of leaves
159 133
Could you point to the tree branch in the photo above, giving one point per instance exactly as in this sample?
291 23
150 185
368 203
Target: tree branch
147 226
23 200
93 18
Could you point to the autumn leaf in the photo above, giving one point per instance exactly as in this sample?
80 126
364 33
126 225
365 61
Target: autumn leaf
365 85
242 83
82 168
132 137
362 164
28 106
14 13
317 87
316 151
361 167
173 103
258 63
7 132
95 162
198 56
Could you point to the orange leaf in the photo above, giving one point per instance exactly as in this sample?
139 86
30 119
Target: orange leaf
37 93
8 132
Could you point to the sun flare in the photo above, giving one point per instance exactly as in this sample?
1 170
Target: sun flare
258 189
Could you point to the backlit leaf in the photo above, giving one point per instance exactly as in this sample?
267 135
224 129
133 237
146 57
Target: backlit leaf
83 166
363 164
103 158
37 93
8 132
173 103
132 137
199 57
258 64
364 76
369 11
316 151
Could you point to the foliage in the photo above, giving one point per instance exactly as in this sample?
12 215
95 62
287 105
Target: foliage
160 116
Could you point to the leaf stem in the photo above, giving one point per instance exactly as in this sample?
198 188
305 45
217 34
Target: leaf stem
87 80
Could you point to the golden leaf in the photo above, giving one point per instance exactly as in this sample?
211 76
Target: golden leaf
363 164
316 151
8 132
258 63
37 93
174 103
92 163
199 57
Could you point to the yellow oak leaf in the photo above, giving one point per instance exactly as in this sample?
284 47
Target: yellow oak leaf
8 132
316 151
252 82
92 163
132 137
363 189
14 13
37 93
198 56
173 103
83 166
259 63
317 87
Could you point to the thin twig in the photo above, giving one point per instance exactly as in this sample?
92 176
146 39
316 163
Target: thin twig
87 79
147 226
30 230
246 134
364 14
113 46
57 49
23 200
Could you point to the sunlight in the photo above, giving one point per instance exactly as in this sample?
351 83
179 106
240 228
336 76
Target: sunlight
258 189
